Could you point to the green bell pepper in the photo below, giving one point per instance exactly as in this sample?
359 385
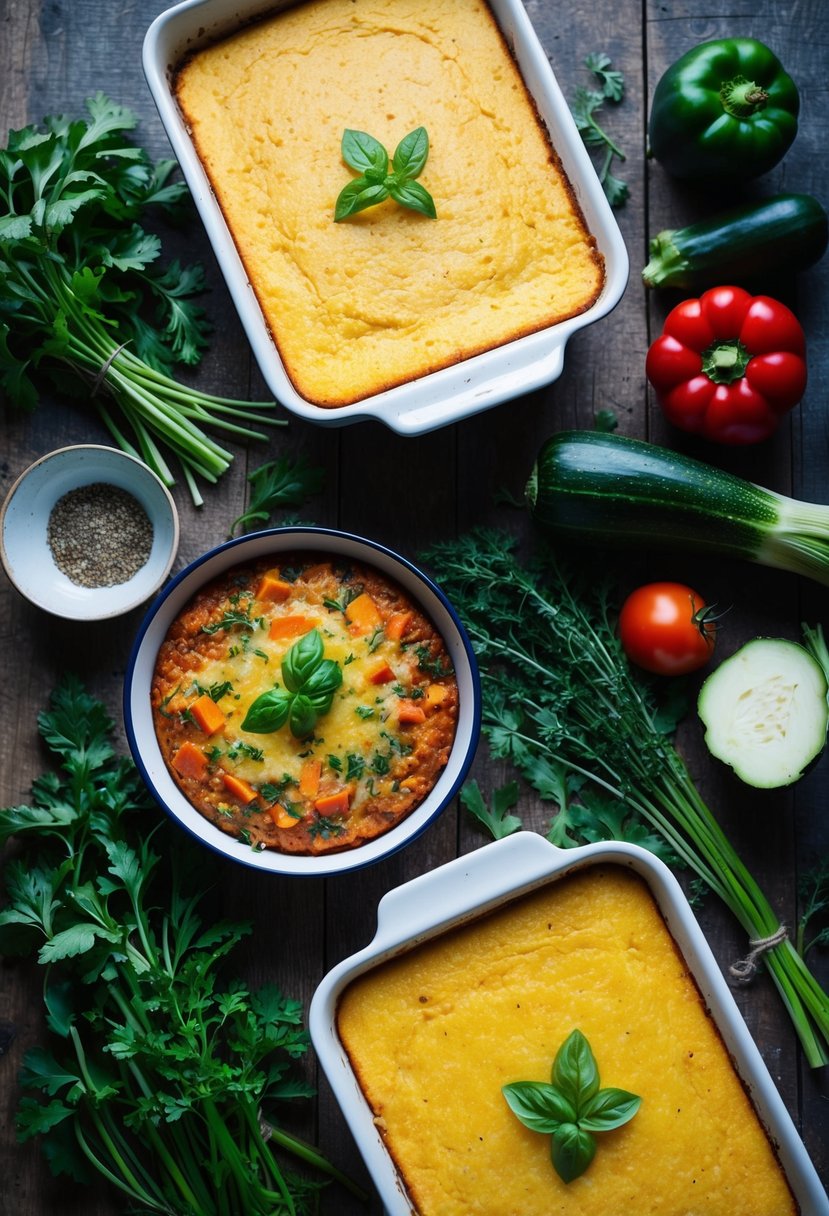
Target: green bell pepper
726 109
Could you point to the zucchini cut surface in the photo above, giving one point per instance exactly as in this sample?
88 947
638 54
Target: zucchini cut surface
765 712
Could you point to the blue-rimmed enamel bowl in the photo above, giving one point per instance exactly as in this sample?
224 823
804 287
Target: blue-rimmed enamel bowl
138 716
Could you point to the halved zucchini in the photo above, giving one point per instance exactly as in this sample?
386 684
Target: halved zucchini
765 712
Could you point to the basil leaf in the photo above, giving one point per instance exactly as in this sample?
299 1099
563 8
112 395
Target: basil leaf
539 1106
302 660
303 716
411 154
609 1108
268 712
574 1071
357 195
363 152
414 196
324 681
572 1151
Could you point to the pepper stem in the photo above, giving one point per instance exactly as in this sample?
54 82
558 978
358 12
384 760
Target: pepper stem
741 98
725 362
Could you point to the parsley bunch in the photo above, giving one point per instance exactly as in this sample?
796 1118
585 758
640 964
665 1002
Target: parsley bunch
81 292
562 703
158 1076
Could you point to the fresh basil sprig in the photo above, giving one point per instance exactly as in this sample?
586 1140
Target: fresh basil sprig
310 683
371 160
572 1108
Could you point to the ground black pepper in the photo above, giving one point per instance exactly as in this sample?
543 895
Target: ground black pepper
99 535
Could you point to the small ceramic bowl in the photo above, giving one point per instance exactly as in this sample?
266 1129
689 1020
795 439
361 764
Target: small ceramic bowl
471 886
49 574
138 716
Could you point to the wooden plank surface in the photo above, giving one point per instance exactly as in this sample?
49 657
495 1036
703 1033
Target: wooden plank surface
409 492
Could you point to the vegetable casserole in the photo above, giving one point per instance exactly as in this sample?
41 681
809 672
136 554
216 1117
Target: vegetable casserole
433 1035
388 295
307 707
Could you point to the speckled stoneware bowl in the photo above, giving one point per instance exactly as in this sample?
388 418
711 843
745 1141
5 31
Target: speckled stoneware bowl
53 577
139 719
473 885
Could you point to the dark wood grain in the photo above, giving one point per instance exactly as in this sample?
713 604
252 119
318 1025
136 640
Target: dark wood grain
409 492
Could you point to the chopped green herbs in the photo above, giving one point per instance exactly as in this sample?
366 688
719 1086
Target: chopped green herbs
572 1108
376 182
160 1073
586 104
83 303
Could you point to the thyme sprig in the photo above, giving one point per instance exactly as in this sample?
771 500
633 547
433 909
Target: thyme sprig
561 702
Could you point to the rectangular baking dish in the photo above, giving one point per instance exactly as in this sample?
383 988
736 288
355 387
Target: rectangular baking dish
479 882
455 392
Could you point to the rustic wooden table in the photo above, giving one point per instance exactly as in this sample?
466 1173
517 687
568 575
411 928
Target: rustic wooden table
409 492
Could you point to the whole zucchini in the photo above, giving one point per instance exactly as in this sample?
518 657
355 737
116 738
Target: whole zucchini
787 232
588 486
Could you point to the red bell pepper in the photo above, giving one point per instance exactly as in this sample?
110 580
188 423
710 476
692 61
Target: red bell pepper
729 365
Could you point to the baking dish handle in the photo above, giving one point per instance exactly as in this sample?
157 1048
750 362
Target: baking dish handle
446 894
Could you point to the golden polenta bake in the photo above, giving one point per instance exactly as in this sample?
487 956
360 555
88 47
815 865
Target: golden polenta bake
307 707
435 1034
388 295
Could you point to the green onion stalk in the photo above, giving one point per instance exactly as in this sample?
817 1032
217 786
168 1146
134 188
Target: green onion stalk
561 699
153 414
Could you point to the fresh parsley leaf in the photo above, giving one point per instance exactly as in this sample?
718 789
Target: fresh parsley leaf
285 482
612 81
585 105
497 820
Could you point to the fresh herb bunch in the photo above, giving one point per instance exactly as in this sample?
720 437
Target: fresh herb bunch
81 292
284 482
376 183
157 1077
571 1107
561 702
586 104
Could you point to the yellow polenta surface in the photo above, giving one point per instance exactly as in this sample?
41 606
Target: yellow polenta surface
360 305
434 1035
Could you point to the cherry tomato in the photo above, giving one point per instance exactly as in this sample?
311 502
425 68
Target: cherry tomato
667 628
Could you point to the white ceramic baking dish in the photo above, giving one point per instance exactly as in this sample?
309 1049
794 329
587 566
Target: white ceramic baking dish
455 392
477 883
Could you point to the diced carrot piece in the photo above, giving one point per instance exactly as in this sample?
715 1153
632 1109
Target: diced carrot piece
241 790
207 714
283 818
272 587
410 715
333 804
435 694
309 778
290 626
363 614
381 674
190 761
397 625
